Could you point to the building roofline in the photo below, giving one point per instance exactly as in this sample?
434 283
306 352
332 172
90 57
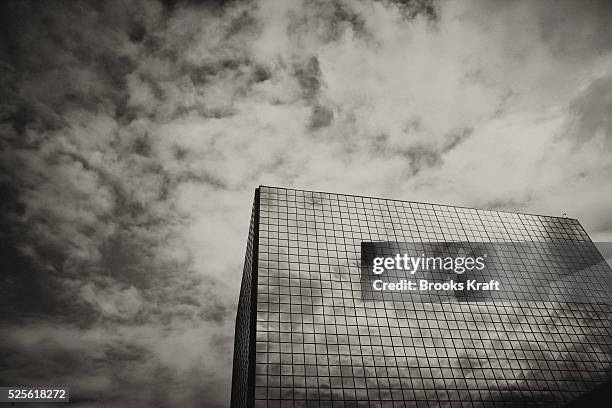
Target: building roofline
422 202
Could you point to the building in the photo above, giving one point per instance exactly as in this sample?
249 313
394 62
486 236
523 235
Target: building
311 331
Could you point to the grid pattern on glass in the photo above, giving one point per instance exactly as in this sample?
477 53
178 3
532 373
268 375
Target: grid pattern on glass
244 315
319 343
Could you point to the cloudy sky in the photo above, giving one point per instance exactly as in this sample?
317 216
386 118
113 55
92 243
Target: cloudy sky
133 134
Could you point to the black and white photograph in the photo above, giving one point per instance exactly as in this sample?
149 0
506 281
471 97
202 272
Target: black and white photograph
305 203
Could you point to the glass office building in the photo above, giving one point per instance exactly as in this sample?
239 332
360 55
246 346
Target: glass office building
312 332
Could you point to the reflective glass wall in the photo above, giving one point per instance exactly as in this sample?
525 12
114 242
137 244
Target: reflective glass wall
320 342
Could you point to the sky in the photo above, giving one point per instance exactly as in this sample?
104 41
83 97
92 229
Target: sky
133 135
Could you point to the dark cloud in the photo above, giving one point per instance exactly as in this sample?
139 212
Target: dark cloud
420 156
321 117
308 75
330 18
413 8
87 213
587 22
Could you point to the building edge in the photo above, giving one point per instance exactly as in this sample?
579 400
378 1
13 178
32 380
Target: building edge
243 367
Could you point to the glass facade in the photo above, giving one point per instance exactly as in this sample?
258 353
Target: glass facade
242 370
309 334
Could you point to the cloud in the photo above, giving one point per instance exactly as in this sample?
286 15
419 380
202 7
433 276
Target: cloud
134 133
591 113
